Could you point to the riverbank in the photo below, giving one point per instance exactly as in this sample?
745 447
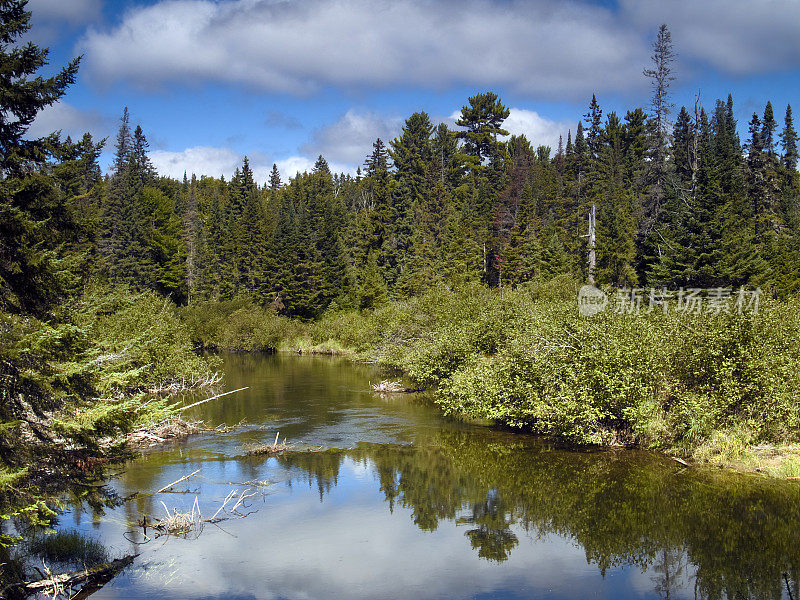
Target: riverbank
718 388
74 386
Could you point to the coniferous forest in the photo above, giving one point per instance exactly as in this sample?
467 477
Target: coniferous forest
445 244
681 202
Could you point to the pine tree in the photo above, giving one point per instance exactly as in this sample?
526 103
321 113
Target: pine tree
483 119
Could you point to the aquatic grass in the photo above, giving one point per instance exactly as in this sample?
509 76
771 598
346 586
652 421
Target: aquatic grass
68 547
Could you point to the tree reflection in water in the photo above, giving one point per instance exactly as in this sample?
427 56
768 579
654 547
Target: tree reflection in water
736 534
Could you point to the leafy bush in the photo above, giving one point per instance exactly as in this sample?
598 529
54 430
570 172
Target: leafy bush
237 325
525 358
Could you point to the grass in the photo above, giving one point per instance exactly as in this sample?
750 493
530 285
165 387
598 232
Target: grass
68 548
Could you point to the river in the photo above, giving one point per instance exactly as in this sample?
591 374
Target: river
382 497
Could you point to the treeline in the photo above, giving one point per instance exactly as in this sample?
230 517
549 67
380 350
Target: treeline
692 207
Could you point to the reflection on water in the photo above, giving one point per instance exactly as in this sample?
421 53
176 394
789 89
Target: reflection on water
400 503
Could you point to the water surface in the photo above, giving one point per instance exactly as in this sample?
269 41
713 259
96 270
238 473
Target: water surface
387 499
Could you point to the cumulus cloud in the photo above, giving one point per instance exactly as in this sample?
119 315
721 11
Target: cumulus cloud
538 46
735 36
216 162
200 160
349 140
70 121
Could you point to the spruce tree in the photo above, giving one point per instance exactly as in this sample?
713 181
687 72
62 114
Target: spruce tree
32 215
789 141
275 179
594 121
769 125
321 166
123 145
661 78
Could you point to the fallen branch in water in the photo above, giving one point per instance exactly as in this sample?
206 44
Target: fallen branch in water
212 398
56 586
184 478
190 524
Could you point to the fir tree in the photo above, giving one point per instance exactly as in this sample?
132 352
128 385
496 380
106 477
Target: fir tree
321 166
769 125
123 145
275 179
789 141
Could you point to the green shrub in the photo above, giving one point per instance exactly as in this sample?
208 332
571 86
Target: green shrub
237 325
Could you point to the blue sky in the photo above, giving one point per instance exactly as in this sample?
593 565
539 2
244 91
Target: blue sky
285 80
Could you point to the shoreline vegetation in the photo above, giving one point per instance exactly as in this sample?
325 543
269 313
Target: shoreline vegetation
453 257
711 388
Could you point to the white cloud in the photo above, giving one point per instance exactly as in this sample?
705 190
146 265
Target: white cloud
216 162
70 121
73 11
289 167
539 130
536 46
349 140
548 48
200 160
735 36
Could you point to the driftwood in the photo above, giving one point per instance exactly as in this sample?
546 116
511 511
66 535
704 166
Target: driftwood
212 398
184 478
268 449
389 387
93 578
189 525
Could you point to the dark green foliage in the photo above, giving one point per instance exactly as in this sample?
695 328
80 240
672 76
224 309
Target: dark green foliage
35 216
483 119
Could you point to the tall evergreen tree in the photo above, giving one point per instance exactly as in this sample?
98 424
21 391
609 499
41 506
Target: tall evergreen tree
769 125
661 77
789 140
483 119
275 182
32 216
